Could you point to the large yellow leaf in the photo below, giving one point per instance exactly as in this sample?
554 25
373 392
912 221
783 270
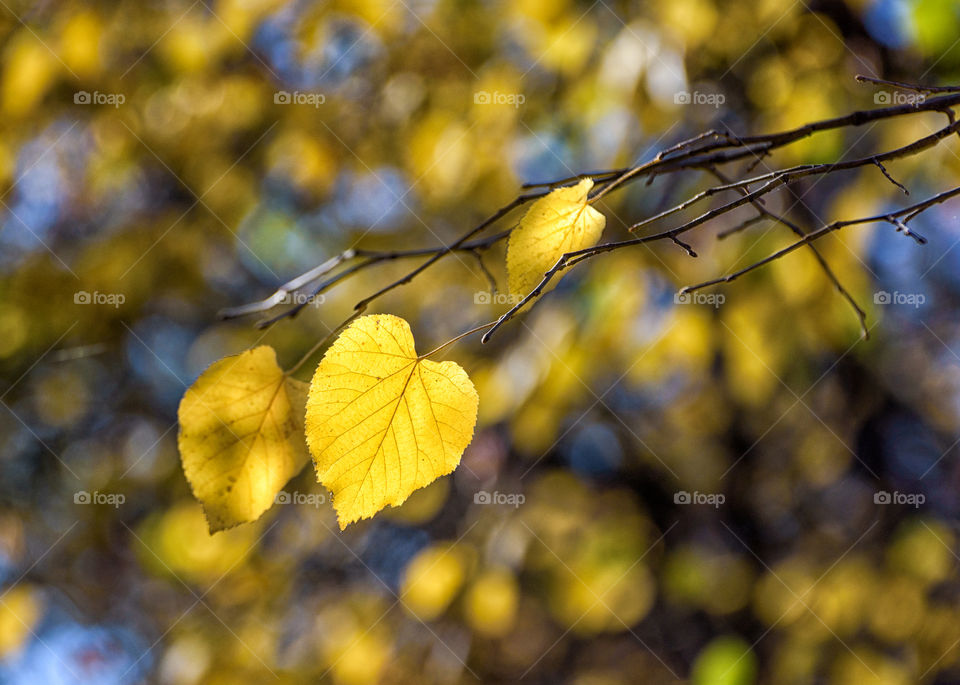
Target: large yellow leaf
556 223
241 436
380 421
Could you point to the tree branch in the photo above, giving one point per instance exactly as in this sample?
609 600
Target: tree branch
708 151
894 218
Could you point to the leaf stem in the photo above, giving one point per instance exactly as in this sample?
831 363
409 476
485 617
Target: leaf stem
322 343
453 340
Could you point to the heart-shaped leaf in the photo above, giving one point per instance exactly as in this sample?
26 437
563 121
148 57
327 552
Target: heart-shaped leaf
556 223
241 436
381 422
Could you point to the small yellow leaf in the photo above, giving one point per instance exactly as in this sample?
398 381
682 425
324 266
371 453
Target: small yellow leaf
556 223
241 436
381 422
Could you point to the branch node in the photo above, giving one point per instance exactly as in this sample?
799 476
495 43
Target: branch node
906 230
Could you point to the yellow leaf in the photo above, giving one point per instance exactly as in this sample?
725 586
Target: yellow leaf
556 223
241 436
382 422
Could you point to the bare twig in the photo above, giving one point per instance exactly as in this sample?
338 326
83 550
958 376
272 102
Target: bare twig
688 144
893 218
597 176
907 86
781 176
491 281
718 150
570 259
728 148
902 227
369 257
883 170
707 151
459 243
288 288
821 260
684 246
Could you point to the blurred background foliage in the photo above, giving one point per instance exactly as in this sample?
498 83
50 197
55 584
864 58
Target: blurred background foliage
180 186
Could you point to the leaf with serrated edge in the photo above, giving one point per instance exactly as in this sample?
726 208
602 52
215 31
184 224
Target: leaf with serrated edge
241 436
555 224
382 423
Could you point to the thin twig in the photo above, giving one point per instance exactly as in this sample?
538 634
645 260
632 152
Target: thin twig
883 170
491 281
706 151
912 211
595 175
802 170
908 86
570 259
902 227
662 155
370 257
821 260
288 288
730 148
496 216
683 245
720 149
